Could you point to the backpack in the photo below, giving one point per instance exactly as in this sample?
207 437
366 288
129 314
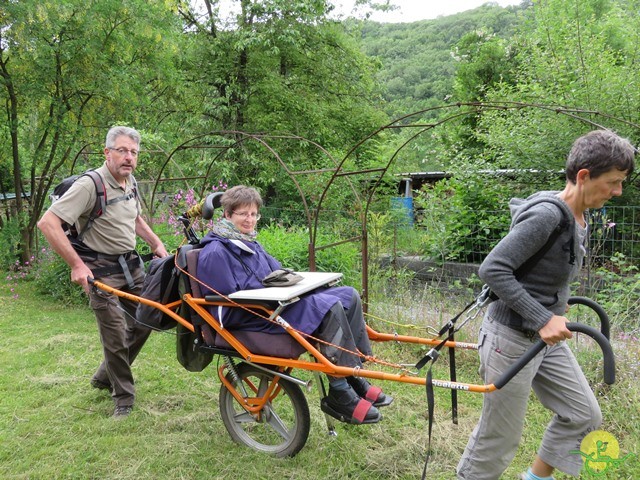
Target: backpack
101 200
160 285
164 284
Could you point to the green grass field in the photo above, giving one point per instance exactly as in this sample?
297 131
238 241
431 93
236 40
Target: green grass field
53 425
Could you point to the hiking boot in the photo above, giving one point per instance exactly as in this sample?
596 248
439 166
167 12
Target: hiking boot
367 391
122 411
95 383
348 407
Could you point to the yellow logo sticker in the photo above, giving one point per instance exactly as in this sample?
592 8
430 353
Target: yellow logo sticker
600 451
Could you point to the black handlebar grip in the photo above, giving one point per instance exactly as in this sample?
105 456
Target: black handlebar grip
603 342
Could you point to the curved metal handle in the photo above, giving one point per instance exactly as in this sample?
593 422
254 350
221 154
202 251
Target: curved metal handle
605 325
607 353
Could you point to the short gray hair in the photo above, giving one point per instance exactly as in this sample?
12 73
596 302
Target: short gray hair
118 131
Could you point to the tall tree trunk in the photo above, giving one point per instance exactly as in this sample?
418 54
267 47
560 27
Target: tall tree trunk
12 118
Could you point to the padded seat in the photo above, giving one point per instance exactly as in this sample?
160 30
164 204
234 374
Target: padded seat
271 344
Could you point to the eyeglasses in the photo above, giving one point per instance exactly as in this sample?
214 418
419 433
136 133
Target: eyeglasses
245 215
124 151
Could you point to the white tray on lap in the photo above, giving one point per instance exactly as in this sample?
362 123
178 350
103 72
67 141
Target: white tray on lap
312 280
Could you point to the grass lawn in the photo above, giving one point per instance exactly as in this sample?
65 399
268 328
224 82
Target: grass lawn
53 425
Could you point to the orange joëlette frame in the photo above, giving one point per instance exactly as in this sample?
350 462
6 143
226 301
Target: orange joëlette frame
321 363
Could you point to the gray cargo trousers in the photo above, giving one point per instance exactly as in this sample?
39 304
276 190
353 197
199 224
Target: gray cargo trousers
557 381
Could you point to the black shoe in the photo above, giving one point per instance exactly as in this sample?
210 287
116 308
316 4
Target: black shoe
122 411
369 392
95 383
348 407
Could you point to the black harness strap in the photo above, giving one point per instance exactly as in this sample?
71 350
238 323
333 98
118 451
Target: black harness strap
448 327
125 269
430 408
122 198
122 266
431 357
454 378
98 208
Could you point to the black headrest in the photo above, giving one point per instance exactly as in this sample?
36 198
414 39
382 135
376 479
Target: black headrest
210 204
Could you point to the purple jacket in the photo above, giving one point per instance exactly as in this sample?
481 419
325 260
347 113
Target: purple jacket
228 268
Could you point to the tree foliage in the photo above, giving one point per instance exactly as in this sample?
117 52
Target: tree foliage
580 60
280 67
418 60
176 70
419 65
69 70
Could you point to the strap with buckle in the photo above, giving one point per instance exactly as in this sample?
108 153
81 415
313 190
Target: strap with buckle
121 265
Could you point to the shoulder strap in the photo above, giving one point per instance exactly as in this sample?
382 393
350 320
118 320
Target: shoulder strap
101 201
487 295
134 185
128 196
534 259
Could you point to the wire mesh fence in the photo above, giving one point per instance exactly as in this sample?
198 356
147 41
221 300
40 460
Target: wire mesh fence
442 248
448 258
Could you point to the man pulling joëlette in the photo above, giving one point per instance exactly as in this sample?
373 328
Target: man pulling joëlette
107 253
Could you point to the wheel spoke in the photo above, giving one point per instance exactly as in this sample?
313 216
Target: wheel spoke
244 417
276 422
264 385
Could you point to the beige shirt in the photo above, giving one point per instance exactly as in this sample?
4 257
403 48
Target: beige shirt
112 233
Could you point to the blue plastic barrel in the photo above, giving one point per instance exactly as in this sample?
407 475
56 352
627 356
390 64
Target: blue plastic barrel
403 206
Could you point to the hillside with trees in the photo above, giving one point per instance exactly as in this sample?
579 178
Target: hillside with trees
531 61
419 60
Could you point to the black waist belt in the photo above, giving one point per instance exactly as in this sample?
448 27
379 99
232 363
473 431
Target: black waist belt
525 331
508 317
114 258
122 264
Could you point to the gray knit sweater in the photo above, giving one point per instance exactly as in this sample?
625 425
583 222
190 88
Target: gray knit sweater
544 289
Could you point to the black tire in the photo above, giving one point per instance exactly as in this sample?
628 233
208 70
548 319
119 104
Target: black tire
281 428
585 314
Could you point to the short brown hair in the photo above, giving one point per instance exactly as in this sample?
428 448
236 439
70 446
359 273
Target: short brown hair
239 196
